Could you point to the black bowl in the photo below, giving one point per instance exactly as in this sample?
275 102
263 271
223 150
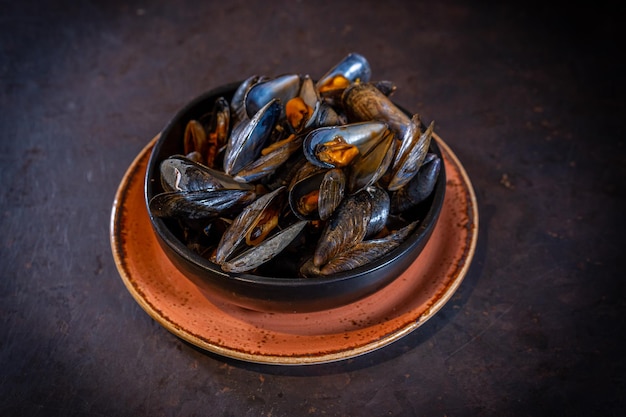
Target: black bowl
279 294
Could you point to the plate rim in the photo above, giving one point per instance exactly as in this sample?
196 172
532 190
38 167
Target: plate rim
176 329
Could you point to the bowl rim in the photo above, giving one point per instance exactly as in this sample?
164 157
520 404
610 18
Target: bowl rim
420 235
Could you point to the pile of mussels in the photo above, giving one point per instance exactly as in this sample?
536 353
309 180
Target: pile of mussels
300 177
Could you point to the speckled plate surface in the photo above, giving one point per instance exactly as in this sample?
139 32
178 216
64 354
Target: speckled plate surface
293 338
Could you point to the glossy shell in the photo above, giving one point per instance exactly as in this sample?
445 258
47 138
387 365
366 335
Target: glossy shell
250 136
325 187
363 136
353 67
282 88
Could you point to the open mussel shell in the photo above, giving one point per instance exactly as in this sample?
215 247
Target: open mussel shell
317 196
326 115
353 67
362 136
179 173
255 237
256 256
250 136
301 110
258 218
360 254
369 167
284 88
408 164
195 139
218 130
277 288
268 163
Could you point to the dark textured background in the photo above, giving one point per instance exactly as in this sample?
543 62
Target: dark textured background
530 97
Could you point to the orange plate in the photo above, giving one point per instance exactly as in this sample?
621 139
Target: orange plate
293 338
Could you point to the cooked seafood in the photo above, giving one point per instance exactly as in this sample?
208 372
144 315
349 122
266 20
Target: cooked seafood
315 197
353 68
250 136
180 173
323 175
253 224
359 254
360 215
196 205
337 146
419 188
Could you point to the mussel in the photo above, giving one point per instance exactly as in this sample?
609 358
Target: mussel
267 250
321 176
365 102
301 110
205 137
370 166
360 215
200 205
351 69
254 236
237 103
360 254
410 156
419 187
179 173
282 88
270 160
315 197
337 146
250 136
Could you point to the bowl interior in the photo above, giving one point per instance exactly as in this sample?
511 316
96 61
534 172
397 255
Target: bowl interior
277 287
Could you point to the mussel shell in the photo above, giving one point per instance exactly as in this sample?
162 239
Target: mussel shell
407 165
237 102
379 211
265 251
363 135
326 115
195 138
353 67
364 101
301 169
331 186
284 88
196 205
369 168
407 142
358 216
268 164
194 156
332 191
310 96
250 136
233 238
419 188
366 251
179 173
344 229
218 131
385 86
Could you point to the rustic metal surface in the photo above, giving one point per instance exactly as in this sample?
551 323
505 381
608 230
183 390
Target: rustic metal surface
530 98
